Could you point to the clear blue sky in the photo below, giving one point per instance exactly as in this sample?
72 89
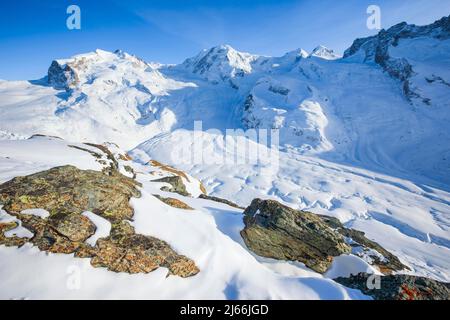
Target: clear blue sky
32 33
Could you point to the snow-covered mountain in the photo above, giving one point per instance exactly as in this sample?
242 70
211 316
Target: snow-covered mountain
364 137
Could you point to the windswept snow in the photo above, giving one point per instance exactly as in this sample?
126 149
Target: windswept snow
103 227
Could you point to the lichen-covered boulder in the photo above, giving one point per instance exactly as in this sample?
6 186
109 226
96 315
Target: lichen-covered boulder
397 287
67 189
66 192
276 231
125 251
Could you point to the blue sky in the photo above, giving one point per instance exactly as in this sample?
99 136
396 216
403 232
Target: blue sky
32 33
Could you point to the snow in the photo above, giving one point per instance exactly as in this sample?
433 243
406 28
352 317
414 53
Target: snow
351 146
347 265
102 227
41 213
19 231
209 235
353 195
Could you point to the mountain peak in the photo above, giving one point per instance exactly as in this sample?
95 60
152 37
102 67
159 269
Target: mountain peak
81 68
220 62
324 53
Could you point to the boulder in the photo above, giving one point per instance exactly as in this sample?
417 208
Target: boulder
177 185
398 287
276 231
66 192
67 189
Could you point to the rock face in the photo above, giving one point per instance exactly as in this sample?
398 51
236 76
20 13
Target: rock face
376 49
399 287
276 231
66 192
62 76
177 185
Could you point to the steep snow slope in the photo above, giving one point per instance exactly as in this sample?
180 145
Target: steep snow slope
104 97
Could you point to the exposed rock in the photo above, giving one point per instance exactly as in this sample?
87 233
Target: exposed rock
67 189
66 192
48 238
62 76
125 157
13 241
73 226
125 251
38 135
173 202
168 169
177 185
276 231
217 199
398 287
130 170
367 249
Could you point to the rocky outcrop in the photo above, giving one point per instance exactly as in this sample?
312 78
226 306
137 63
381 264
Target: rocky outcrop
62 76
173 202
126 251
398 287
177 185
67 189
13 241
276 231
66 192
217 199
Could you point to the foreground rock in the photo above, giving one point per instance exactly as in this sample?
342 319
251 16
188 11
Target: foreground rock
221 200
67 189
66 192
126 251
398 287
276 231
173 202
177 185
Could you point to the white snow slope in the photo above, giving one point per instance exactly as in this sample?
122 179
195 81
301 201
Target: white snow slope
364 138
